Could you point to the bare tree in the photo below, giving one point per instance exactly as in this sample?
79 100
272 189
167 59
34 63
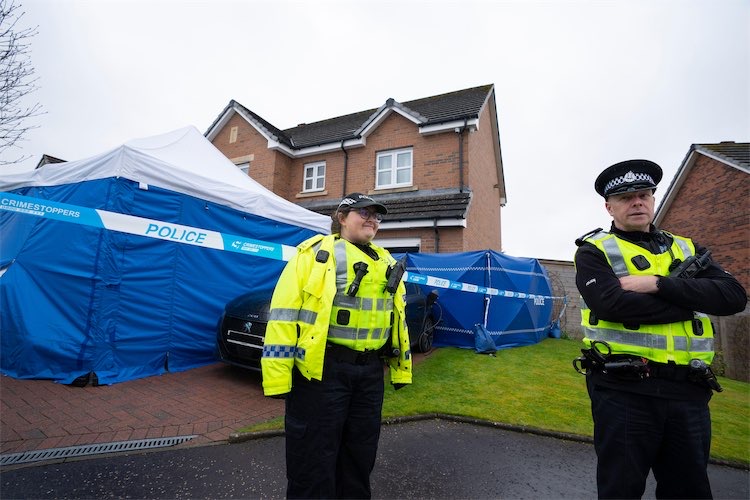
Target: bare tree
17 79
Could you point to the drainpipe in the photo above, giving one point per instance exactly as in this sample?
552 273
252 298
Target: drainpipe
346 165
461 155
437 235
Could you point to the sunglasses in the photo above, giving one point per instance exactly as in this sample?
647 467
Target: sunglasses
367 214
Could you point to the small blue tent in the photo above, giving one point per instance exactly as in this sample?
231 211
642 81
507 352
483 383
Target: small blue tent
511 318
77 299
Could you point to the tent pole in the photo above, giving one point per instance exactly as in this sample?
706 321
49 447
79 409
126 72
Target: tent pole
489 285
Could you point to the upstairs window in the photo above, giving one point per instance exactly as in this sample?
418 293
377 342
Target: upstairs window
394 169
245 167
315 177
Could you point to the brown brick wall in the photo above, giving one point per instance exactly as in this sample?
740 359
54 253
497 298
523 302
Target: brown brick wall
483 224
249 141
436 166
713 208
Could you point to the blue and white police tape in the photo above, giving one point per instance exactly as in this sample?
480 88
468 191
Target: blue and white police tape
188 235
432 281
140 226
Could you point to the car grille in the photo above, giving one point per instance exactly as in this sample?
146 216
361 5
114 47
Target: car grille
243 345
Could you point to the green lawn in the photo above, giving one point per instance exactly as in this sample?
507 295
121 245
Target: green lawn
536 386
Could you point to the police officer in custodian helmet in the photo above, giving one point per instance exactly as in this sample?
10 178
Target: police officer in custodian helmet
649 344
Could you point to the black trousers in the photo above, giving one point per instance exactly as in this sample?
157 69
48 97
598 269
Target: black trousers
634 433
332 431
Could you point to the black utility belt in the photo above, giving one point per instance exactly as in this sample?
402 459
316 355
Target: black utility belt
345 355
599 359
646 368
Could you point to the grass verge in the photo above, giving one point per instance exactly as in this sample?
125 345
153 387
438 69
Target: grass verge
536 386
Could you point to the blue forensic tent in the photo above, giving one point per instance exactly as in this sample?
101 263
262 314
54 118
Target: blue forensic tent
77 300
511 321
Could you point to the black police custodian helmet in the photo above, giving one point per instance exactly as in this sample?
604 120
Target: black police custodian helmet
359 200
627 176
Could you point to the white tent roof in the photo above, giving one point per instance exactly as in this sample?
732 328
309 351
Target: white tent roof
182 161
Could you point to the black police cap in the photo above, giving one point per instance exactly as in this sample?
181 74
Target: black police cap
630 175
359 200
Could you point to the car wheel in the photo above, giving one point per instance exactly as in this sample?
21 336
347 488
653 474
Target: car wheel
424 344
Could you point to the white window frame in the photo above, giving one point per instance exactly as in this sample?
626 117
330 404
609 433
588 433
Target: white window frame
394 169
312 173
244 167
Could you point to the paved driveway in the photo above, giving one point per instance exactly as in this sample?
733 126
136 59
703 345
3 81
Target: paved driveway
210 402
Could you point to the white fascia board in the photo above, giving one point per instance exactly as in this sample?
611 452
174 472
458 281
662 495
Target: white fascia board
220 124
423 223
277 146
439 128
398 242
315 150
382 116
253 123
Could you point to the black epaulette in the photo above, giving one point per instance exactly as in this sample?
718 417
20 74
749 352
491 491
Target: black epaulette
579 241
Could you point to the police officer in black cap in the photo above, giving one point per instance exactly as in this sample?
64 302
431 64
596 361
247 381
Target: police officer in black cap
648 342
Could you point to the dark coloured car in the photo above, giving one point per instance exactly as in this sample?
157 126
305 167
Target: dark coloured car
242 327
419 317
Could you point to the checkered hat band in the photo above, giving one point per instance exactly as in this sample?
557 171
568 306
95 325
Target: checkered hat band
629 178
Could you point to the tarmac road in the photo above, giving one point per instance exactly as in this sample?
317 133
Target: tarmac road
423 459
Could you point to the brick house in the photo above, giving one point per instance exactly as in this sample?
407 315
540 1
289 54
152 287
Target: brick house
435 162
709 201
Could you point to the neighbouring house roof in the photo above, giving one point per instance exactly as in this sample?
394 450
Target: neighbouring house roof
733 154
446 205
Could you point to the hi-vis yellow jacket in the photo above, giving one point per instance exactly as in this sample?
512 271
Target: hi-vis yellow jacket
679 342
301 313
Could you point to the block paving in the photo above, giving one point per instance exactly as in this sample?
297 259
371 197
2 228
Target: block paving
210 402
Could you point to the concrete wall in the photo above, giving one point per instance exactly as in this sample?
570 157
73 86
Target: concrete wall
562 274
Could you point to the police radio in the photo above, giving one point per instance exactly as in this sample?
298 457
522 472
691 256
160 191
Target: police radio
394 275
360 270
690 266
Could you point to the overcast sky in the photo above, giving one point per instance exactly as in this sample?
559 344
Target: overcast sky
579 84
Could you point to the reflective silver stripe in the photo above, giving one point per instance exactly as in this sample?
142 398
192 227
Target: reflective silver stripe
614 254
284 314
683 246
598 235
303 315
307 316
637 339
680 344
695 344
343 300
339 252
345 333
362 303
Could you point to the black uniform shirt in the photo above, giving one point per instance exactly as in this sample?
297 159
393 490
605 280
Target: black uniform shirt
711 291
